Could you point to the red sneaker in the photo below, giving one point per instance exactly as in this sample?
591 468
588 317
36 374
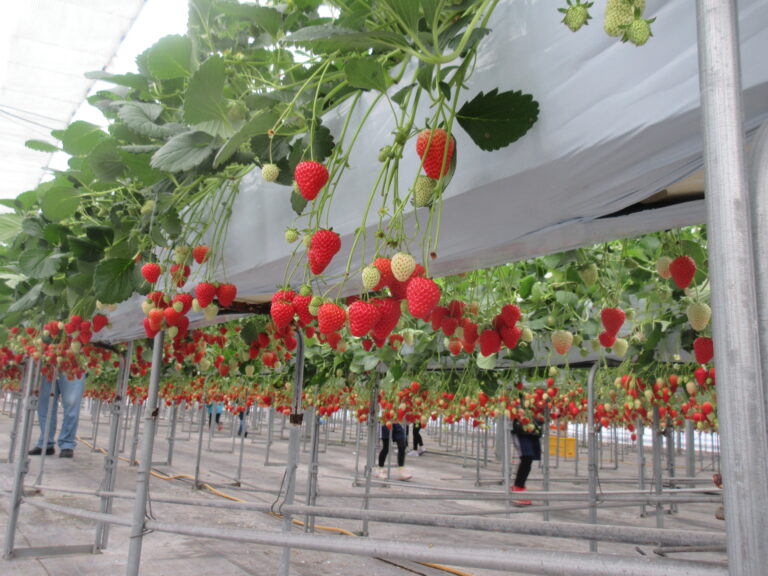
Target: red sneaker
520 502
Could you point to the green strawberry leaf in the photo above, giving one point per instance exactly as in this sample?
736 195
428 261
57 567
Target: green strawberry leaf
183 152
298 202
141 117
204 101
79 138
27 301
113 280
495 120
260 124
10 226
41 146
366 74
171 57
320 142
328 38
59 203
40 262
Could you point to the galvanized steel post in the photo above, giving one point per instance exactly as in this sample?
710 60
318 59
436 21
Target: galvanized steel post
734 290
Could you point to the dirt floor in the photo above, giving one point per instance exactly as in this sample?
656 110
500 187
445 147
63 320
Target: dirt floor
445 481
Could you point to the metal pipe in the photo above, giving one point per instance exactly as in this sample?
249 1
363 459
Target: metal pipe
139 408
110 457
53 389
16 399
172 432
145 466
656 436
758 185
518 560
29 402
545 458
641 460
294 440
96 425
198 456
592 451
312 469
690 450
734 292
372 440
270 432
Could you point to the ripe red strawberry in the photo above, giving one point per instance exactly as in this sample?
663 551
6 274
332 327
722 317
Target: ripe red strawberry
180 274
423 295
456 308
363 316
156 318
511 336
511 314
330 318
149 330
367 344
172 317
226 294
323 247
282 313
397 289
301 307
200 253
606 339
151 272
490 342
185 300
704 349
430 146
470 332
612 319
157 298
449 325
385 269
285 295
205 292
437 315
454 346
99 321
682 269
310 177
390 316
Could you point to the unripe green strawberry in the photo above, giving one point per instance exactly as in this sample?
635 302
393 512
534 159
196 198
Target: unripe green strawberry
210 312
588 274
576 15
526 335
619 13
291 235
148 207
403 266
384 153
305 290
423 191
699 314
638 31
270 172
371 277
620 347
314 305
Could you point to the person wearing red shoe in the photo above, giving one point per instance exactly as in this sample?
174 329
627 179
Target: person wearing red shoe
527 440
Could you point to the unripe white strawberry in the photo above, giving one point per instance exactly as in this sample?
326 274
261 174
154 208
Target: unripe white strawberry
562 341
250 370
526 335
576 15
423 191
638 32
211 311
699 314
76 346
588 274
371 277
270 172
146 306
662 267
403 266
620 13
691 387
178 306
173 331
620 347
196 305
205 364
291 235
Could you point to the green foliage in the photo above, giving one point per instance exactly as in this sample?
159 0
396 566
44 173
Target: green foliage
495 120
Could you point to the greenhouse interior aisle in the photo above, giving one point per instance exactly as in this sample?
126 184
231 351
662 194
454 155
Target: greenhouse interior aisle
446 465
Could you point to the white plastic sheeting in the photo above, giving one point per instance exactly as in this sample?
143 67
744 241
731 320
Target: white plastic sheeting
617 124
46 46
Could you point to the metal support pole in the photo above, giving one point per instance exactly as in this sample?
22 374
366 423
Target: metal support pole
270 432
97 419
657 466
29 403
294 440
172 432
640 427
690 450
373 438
53 390
758 184
145 466
592 451
198 456
17 398
545 459
670 433
309 523
734 290
138 407
505 464
110 458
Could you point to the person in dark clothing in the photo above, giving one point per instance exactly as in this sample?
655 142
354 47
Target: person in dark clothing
418 443
528 444
401 439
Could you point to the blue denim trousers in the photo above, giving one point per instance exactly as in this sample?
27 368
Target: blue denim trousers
71 394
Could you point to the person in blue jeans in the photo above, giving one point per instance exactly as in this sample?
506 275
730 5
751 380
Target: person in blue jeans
399 435
70 390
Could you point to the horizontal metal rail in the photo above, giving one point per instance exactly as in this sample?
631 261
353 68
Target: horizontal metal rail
604 532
